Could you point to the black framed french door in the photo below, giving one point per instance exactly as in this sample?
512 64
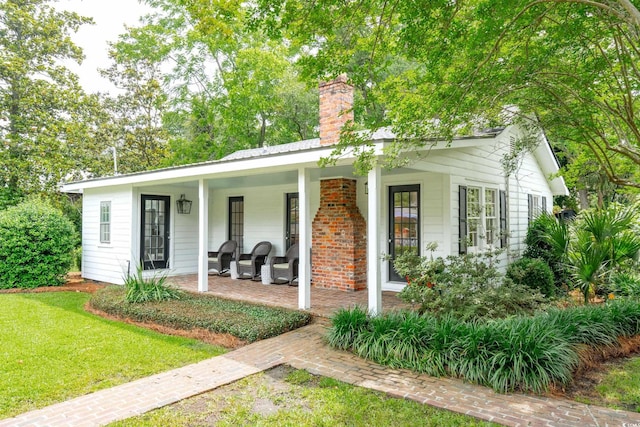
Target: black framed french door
292 232
404 224
154 231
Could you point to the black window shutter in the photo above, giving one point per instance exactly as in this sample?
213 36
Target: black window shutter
529 208
503 219
462 220
544 204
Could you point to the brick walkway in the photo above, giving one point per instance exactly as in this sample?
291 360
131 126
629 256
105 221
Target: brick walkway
305 349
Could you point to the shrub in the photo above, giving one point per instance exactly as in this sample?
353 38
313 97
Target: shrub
528 353
548 239
468 287
624 283
245 321
36 245
533 273
141 289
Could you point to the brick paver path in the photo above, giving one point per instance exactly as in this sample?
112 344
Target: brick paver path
305 349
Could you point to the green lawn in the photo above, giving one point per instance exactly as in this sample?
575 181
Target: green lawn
52 350
288 397
620 387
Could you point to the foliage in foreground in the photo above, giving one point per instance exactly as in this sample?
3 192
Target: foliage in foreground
53 350
466 286
245 321
299 399
36 245
141 289
533 273
528 353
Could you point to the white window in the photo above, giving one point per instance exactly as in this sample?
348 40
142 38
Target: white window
482 218
105 222
474 212
491 215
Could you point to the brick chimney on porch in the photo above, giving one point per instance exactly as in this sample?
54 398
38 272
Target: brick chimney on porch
338 237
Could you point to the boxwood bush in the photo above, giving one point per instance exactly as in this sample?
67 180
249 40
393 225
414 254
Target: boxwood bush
533 273
248 322
36 245
527 353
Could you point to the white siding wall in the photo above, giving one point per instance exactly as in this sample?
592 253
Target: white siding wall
101 261
264 214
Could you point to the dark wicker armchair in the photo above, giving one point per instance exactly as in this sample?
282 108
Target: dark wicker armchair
249 264
285 267
220 261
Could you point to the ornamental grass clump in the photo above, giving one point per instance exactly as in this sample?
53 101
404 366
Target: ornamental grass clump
526 353
141 289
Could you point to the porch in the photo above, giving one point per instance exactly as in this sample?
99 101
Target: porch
324 302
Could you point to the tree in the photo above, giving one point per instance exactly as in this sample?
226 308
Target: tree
136 131
567 66
41 101
227 87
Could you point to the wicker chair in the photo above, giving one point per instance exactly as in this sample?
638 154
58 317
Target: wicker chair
220 261
250 264
285 267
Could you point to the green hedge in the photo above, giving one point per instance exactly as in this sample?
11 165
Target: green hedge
246 321
36 245
527 353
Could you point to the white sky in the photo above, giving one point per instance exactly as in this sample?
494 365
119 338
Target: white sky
110 16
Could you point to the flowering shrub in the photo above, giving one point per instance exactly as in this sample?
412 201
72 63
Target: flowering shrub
466 286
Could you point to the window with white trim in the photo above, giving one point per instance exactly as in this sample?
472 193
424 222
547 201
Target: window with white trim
491 215
105 222
482 218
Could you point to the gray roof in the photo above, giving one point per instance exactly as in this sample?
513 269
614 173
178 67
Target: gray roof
274 149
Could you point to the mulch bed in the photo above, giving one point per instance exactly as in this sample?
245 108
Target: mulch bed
75 283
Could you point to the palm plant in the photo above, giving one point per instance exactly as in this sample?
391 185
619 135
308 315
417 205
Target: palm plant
603 240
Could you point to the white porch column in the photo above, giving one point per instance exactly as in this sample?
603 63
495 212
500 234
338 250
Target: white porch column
304 267
203 235
374 281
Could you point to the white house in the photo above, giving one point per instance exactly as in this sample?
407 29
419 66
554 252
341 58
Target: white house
453 194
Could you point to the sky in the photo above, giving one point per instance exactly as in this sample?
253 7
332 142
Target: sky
110 16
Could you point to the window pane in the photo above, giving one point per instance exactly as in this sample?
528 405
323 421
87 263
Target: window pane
105 222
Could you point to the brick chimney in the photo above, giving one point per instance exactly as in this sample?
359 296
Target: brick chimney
336 108
338 236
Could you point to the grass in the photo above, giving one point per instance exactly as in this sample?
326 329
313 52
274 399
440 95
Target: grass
619 387
288 397
246 321
52 350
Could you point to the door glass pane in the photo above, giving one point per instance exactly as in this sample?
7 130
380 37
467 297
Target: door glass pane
404 227
236 221
154 230
293 222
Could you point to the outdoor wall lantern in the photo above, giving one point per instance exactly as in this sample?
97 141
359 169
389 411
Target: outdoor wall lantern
184 205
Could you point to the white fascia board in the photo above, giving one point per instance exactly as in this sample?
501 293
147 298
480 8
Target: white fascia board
240 167
550 167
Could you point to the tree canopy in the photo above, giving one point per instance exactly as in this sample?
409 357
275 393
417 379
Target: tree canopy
42 119
569 66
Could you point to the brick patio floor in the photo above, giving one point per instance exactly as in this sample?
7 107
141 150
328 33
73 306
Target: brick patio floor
305 348
323 301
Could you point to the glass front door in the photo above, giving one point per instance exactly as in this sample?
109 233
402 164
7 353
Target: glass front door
154 247
404 224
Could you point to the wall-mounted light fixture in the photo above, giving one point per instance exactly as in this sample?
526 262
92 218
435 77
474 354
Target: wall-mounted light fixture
183 205
366 187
